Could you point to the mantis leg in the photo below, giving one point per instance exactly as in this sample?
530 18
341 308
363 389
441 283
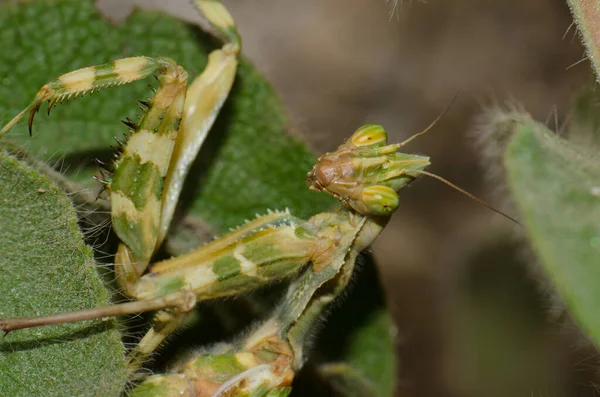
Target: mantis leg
265 362
148 176
93 78
164 323
268 249
203 100
265 250
136 183
205 97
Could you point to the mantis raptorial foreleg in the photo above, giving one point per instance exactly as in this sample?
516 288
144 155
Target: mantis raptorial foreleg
148 176
204 99
267 249
137 181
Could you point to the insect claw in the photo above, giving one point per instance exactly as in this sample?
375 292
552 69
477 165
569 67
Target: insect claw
32 113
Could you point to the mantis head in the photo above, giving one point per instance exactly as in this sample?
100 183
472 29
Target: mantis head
365 173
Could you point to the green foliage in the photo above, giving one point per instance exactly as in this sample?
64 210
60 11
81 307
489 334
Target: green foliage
362 361
555 186
502 338
346 380
43 256
251 162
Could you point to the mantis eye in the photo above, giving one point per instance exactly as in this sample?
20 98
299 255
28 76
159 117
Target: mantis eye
369 135
380 200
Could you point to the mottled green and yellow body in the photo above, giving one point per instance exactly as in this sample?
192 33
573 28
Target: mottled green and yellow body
364 174
265 362
136 184
264 250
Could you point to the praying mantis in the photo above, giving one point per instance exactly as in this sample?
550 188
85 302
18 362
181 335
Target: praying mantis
364 174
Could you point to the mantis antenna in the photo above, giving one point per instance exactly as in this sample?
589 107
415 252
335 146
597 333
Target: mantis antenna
443 180
433 123
469 195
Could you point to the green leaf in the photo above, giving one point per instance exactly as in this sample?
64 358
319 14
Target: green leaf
502 344
252 160
361 334
45 268
346 380
557 189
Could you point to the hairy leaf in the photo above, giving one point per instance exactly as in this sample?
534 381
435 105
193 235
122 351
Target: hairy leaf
557 189
45 268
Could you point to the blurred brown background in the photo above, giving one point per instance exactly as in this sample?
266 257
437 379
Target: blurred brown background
472 319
